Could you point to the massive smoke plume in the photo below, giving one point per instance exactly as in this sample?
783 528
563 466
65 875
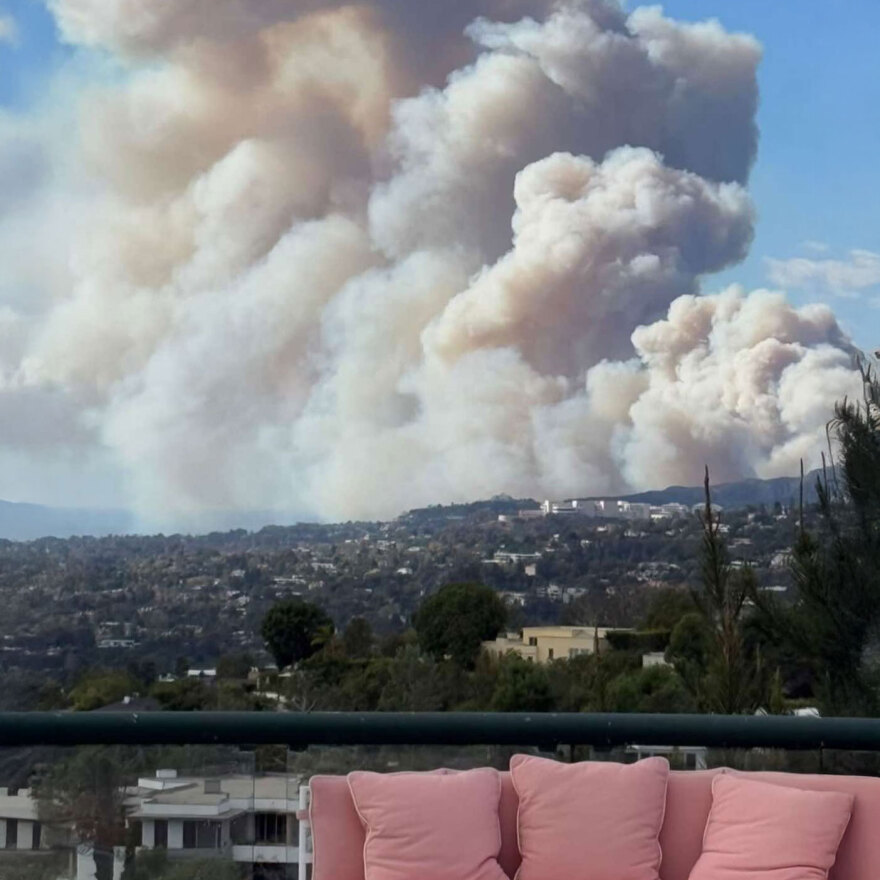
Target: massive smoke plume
342 258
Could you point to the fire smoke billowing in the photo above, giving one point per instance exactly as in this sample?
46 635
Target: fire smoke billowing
342 258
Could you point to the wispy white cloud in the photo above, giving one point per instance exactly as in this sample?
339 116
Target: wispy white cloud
8 30
847 277
815 247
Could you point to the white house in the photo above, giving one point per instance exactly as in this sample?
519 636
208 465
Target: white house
20 827
27 844
250 820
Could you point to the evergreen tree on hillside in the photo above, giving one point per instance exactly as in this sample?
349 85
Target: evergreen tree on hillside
454 621
708 647
295 630
835 621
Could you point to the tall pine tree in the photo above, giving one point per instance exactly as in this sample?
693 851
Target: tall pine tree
835 621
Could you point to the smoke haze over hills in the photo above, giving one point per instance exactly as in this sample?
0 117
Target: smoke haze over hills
345 259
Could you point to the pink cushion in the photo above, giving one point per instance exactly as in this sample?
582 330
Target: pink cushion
761 831
859 854
338 836
589 821
430 826
337 832
688 799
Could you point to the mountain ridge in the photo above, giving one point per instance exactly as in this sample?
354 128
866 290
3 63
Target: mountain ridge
23 521
739 493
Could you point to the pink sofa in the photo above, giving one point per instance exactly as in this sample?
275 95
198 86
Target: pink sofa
338 836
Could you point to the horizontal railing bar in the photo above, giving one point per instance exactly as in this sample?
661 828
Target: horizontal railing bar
300 729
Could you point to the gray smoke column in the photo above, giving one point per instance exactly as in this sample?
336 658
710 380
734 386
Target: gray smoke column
343 258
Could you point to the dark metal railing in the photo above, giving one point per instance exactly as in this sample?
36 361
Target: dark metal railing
299 730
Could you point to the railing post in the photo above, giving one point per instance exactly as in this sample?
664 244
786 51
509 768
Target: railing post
303 855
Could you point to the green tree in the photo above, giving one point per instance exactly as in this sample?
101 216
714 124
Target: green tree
413 684
834 622
457 619
522 687
86 793
46 867
690 647
777 704
654 689
709 652
186 695
101 687
357 639
155 865
234 696
295 630
666 608
234 666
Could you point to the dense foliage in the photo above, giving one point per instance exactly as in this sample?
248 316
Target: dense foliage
834 624
457 619
294 630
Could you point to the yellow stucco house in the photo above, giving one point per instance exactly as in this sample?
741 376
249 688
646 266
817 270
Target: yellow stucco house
541 644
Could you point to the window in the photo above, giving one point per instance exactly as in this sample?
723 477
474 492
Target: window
550 654
201 834
270 828
241 829
11 833
533 641
160 833
38 835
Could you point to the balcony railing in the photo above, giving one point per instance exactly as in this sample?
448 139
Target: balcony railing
299 730
689 737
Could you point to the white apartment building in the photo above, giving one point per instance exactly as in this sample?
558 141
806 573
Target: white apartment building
26 844
20 827
250 820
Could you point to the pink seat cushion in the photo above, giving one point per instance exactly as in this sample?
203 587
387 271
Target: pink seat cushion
688 800
589 821
430 826
761 831
337 832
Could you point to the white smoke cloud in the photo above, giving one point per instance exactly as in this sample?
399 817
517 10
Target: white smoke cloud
847 278
343 258
597 250
743 383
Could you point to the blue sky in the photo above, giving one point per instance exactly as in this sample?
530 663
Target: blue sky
27 61
817 172
817 169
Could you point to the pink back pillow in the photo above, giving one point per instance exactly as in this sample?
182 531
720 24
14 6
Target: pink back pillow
425 826
770 832
338 834
589 821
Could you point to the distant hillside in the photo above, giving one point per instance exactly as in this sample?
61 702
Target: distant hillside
500 504
731 495
26 522
740 494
